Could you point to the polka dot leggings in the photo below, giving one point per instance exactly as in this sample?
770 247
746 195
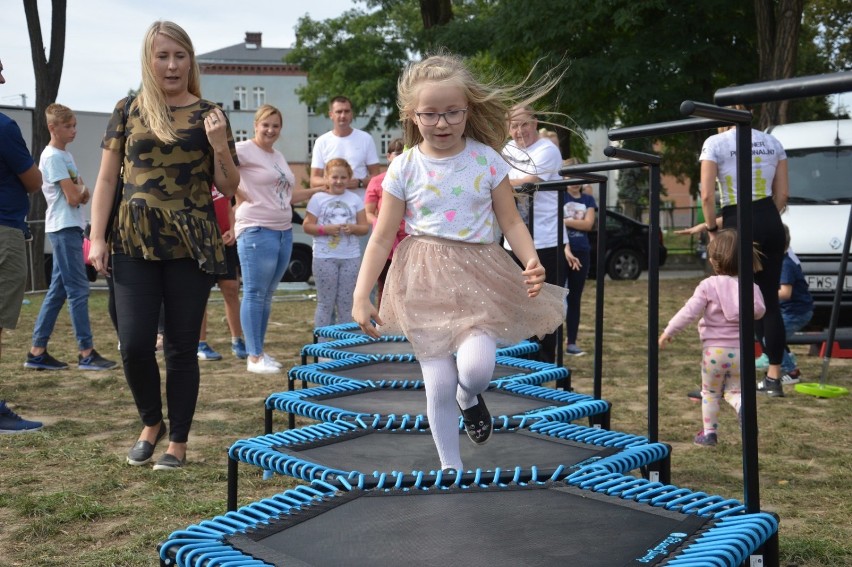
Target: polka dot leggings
720 376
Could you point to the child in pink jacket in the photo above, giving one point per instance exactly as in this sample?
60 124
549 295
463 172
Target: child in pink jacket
717 299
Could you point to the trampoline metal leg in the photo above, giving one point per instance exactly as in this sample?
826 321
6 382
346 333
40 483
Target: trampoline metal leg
770 553
267 421
232 484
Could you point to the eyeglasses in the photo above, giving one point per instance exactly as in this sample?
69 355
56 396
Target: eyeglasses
451 117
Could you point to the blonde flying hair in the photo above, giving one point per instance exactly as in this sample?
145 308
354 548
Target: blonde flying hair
488 103
58 114
151 102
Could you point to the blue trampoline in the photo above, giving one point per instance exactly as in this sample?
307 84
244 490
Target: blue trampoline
405 405
590 517
352 448
341 331
393 347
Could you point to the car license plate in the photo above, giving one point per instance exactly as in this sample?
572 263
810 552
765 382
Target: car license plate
827 283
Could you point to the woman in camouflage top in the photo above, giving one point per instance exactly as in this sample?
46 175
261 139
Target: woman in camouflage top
165 242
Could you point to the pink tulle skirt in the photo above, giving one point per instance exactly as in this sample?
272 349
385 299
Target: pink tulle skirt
439 292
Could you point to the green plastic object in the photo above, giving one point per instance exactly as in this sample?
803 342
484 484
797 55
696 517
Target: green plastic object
821 390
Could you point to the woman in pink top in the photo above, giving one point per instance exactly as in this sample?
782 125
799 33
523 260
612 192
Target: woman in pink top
372 204
717 299
264 229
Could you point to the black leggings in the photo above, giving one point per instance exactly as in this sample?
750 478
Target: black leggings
141 287
768 233
575 281
549 257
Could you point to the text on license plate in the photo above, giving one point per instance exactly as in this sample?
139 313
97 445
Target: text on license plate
827 283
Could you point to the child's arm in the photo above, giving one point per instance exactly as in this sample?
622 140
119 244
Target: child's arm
573 261
75 194
785 292
372 211
585 224
375 257
310 226
361 226
692 310
516 232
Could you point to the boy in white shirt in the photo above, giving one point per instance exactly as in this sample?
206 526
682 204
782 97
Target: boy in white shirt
65 192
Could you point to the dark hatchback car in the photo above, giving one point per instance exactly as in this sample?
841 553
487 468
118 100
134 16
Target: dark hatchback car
626 247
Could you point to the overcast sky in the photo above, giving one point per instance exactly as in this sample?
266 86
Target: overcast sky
104 38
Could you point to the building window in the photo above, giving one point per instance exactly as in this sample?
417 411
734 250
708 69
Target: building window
240 135
312 111
312 138
240 98
259 97
386 140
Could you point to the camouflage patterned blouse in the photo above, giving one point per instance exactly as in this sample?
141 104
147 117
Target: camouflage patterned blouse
166 210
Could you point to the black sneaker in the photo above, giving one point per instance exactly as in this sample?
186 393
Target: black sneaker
770 387
477 422
10 422
94 362
43 362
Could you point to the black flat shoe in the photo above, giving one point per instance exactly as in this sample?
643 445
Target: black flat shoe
169 463
142 452
477 422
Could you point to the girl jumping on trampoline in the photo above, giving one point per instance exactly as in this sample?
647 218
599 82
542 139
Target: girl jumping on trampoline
717 299
451 288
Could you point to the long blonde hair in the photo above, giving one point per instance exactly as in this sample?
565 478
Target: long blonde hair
488 102
151 102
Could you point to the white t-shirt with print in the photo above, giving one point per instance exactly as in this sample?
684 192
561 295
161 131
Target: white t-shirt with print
448 197
543 160
766 152
336 209
56 165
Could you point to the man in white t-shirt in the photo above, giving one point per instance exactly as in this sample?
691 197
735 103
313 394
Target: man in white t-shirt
344 141
535 159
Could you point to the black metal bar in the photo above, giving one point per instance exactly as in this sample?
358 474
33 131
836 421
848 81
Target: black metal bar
600 274
783 89
673 127
232 483
742 120
727 115
654 305
838 296
639 157
582 168
560 184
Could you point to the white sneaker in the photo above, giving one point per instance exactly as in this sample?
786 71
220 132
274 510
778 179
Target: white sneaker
271 360
262 366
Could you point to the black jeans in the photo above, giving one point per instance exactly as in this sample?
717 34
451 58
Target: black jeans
141 287
575 281
549 258
768 233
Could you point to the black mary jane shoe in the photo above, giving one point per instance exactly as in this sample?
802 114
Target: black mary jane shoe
477 422
142 452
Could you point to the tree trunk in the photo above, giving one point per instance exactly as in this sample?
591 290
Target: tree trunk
778 24
47 74
435 12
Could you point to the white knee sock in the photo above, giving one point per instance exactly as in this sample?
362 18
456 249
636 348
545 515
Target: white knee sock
441 381
475 362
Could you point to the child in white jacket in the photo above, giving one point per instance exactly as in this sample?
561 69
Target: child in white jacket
717 299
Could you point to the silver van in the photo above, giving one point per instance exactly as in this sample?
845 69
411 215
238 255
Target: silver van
819 158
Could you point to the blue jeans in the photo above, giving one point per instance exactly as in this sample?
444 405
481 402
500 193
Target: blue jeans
69 281
792 324
264 257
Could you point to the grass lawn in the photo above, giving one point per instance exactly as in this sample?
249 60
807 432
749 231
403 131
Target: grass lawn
68 497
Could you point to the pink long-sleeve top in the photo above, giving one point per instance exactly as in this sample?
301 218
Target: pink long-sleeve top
718 299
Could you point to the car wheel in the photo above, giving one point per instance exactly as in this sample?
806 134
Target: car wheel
299 270
624 264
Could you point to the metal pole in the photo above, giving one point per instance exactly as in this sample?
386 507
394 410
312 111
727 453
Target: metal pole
783 89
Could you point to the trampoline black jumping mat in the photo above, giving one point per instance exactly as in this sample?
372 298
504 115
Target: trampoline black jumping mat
392 347
405 407
592 518
367 456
